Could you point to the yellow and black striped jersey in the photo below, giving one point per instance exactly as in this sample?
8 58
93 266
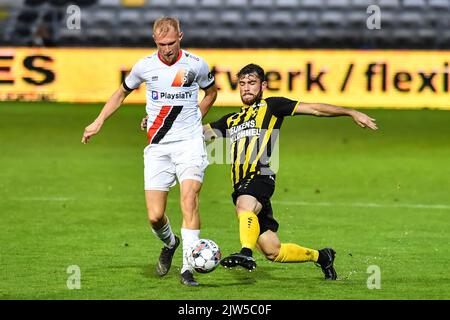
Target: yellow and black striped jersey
252 133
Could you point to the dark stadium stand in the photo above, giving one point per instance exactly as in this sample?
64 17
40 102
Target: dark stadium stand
421 24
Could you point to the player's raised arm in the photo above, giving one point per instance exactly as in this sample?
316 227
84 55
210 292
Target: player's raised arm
328 110
113 103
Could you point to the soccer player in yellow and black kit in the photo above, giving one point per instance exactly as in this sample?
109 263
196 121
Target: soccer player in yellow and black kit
252 132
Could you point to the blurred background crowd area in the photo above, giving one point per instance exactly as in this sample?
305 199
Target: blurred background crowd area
412 24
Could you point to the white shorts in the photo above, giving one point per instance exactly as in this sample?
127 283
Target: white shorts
165 162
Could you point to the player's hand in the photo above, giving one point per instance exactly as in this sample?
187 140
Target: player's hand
91 130
364 121
144 123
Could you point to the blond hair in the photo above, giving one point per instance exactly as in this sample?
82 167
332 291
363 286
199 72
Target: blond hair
162 25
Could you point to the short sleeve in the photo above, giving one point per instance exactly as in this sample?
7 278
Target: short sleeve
205 78
281 107
134 78
221 124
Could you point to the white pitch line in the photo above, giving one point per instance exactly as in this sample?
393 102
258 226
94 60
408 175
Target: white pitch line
279 202
43 199
365 205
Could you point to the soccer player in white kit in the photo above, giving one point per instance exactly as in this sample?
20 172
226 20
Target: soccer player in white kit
176 146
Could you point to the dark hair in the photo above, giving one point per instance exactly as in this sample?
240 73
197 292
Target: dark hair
252 68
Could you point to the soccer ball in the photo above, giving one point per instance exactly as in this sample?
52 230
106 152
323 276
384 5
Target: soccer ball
204 255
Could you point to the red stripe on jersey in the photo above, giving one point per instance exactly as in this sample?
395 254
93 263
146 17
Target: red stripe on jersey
158 122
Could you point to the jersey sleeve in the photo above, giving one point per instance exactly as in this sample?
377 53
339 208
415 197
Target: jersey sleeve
221 125
205 79
134 78
281 107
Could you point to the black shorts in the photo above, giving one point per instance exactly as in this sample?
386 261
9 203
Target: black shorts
262 188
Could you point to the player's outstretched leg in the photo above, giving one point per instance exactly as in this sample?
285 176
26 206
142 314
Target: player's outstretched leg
326 260
239 259
165 258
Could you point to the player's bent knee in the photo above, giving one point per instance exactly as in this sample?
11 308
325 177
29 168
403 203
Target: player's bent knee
154 220
155 217
272 255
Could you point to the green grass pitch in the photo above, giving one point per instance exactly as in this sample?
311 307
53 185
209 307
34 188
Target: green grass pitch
379 198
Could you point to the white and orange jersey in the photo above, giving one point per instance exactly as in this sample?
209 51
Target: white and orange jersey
172 95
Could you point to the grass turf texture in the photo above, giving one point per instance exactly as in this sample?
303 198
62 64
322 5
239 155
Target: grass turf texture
379 198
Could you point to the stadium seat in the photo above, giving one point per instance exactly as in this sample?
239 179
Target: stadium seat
405 39
164 4
264 4
129 37
98 37
231 18
410 20
276 38
287 4
199 37
357 19
427 37
102 17
303 19
213 4
150 16
332 19
281 19
381 38
361 4
326 38
444 43
338 4
226 38
71 38
252 38
202 18
299 38
185 4
130 17
414 4
143 38
256 18
313 4
185 17
441 5
389 4
388 20
238 4
108 3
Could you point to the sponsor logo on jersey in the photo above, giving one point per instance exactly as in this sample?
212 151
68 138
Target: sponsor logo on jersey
171 95
192 57
246 129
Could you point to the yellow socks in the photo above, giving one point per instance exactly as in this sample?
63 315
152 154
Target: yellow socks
291 252
248 229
